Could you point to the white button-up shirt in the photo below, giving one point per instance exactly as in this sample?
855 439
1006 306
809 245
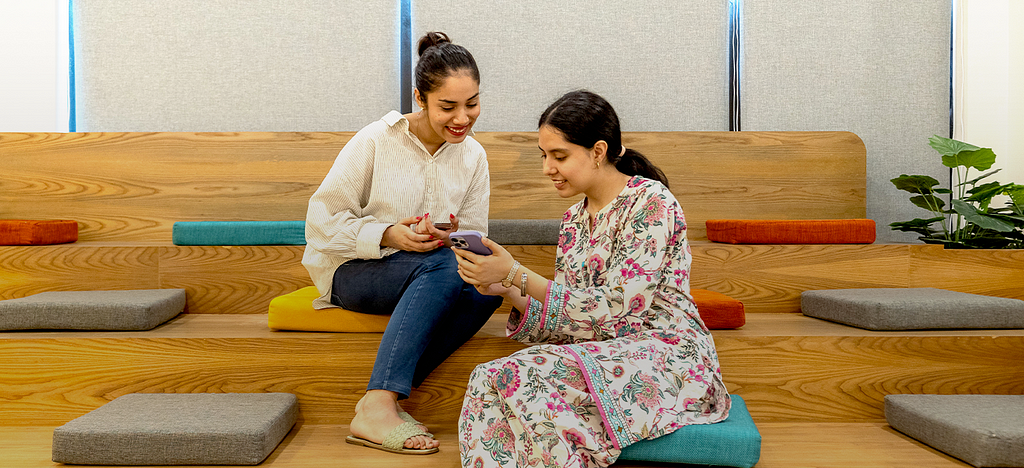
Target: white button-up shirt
384 174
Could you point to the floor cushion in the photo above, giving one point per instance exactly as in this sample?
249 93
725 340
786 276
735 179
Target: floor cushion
294 311
791 231
178 429
983 430
139 309
524 231
912 308
239 233
717 310
733 442
31 232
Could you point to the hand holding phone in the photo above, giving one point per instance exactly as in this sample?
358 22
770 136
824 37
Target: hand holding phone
469 240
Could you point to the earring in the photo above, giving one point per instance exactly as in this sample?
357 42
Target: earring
597 164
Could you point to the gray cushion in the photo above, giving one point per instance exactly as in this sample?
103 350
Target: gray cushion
983 430
178 429
524 231
912 308
139 309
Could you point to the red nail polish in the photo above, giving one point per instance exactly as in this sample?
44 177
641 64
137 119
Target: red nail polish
451 216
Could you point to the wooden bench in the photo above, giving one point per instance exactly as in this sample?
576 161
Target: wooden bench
807 382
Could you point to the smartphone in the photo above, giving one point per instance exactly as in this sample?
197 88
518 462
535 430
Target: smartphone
469 240
442 226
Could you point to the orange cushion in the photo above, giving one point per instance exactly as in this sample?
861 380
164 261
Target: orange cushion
717 310
791 231
31 232
294 311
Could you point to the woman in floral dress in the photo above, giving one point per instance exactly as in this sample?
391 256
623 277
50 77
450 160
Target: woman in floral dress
621 354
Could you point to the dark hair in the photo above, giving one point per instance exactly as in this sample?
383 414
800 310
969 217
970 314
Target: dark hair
584 118
439 59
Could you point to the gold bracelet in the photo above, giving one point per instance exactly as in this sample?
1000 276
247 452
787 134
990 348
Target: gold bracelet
522 285
507 282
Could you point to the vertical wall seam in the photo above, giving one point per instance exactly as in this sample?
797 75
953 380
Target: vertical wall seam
734 64
405 68
72 123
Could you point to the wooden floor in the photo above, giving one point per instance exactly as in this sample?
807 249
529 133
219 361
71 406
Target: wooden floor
784 445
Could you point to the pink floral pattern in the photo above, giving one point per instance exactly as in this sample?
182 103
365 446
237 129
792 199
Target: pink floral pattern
622 354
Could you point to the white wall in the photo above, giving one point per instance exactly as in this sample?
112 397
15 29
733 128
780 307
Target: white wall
989 82
33 57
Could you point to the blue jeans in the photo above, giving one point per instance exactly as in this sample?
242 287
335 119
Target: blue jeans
433 312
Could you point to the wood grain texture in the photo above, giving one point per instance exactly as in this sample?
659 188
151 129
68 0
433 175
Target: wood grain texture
232 279
783 445
795 371
53 380
844 379
27 270
770 278
987 272
134 186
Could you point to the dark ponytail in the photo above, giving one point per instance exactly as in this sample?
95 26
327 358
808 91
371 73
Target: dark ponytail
439 59
584 118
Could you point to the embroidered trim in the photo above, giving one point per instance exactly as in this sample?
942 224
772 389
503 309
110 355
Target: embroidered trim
530 321
554 307
614 420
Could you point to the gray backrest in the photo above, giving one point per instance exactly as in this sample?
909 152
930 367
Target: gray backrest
663 65
227 65
879 69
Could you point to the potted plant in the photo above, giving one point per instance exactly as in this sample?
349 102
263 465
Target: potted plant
967 221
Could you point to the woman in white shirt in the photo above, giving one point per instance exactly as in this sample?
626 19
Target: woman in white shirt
373 245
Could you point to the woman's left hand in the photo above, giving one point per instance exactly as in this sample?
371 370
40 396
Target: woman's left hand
484 270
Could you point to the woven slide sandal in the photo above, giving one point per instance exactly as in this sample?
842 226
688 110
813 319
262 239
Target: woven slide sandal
408 418
395 440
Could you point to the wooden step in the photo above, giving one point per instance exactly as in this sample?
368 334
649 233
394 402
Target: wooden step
783 445
788 367
767 278
135 186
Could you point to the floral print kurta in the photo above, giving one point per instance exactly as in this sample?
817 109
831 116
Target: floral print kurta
625 357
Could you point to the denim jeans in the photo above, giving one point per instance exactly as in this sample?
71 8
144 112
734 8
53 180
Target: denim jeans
433 312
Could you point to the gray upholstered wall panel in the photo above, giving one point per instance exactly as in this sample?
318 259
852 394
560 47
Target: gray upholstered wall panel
662 64
877 68
228 65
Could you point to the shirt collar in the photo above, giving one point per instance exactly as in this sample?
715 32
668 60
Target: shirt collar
394 117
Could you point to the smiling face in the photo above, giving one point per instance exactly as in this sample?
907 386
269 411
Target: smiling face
570 166
451 109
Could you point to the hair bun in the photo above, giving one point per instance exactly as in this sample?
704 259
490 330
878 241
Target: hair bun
432 39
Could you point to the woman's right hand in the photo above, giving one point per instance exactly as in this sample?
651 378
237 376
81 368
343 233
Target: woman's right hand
400 236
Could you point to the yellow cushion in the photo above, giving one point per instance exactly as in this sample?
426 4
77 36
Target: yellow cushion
294 311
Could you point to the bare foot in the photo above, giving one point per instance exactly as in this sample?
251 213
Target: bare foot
377 415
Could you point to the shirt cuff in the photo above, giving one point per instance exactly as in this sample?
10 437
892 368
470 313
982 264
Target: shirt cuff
368 240
529 321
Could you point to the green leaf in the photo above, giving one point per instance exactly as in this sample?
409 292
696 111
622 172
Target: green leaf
972 215
976 179
915 183
928 202
1016 193
981 159
918 225
983 194
942 190
949 146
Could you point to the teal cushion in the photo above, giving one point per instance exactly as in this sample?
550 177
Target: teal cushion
239 233
733 442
